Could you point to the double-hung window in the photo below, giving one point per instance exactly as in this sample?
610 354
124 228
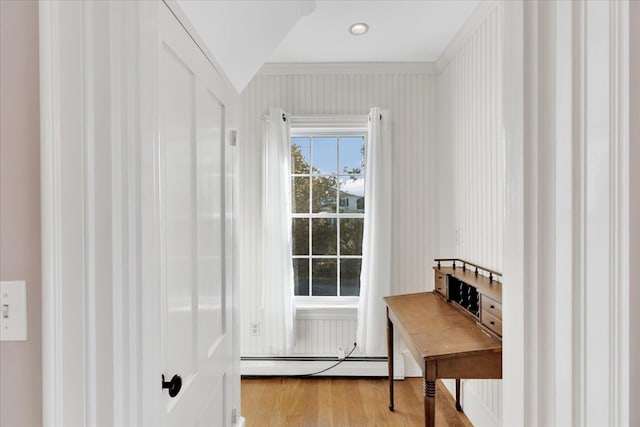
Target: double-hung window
327 182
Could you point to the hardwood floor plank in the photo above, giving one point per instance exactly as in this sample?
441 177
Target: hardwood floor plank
342 402
338 398
325 417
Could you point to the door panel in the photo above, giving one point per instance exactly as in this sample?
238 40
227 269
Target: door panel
177 170
210 237
195 314
215 409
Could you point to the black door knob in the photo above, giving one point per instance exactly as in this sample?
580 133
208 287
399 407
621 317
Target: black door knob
174 385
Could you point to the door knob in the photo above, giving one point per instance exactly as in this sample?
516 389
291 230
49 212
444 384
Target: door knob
174 385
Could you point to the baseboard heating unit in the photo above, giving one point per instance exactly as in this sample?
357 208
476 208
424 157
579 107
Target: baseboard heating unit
304 366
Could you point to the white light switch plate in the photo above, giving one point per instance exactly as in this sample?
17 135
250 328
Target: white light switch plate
13 310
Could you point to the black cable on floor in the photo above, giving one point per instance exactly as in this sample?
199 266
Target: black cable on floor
355 345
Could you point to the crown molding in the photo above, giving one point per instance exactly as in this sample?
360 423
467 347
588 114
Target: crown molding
316 68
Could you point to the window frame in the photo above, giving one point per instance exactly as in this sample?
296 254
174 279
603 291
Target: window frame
353 127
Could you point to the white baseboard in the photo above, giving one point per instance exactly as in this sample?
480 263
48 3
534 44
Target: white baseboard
411 368
351 368
450 384
475 408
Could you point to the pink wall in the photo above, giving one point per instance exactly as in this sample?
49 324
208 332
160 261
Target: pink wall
634 214
20 361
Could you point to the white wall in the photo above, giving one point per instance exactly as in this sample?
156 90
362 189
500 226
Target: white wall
77 279
314 89
470 175
470 182
566 311
634 208
20 361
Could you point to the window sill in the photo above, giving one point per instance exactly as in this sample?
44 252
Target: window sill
317 308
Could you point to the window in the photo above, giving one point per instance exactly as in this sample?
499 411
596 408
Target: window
327 183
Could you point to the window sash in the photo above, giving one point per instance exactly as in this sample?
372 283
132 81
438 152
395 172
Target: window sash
310 259
338 255
348 125
348 129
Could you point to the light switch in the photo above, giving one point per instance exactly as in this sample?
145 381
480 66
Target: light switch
13 310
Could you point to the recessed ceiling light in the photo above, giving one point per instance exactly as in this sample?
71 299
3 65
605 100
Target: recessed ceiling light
359 29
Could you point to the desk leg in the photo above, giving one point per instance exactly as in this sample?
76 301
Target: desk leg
458 406
390 358
429 402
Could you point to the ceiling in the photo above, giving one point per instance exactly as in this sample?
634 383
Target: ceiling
399 31
242 35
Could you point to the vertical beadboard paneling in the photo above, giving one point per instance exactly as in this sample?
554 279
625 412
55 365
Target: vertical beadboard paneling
410 95
469 115
470 175
322 337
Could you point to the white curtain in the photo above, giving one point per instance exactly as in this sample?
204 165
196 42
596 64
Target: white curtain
277 272
375 277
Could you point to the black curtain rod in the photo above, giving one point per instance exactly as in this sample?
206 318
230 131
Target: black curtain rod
284 117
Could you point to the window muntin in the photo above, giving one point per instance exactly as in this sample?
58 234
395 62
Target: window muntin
327 179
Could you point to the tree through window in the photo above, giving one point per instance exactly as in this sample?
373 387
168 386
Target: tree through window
327 182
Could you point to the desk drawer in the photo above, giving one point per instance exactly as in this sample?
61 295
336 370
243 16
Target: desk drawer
491 322
441 283
492 307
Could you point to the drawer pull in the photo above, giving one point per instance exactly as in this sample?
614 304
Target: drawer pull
493 306
492 322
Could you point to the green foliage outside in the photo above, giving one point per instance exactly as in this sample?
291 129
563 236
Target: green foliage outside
324 231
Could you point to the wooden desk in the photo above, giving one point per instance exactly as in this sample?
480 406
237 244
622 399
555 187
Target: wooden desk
446 343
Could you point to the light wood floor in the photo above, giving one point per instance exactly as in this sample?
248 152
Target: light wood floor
338 402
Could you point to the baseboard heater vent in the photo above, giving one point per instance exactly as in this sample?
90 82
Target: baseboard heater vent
295 366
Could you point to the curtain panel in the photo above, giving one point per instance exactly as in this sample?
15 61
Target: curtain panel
278 307
375 277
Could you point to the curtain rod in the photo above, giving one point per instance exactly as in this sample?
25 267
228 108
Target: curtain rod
337 117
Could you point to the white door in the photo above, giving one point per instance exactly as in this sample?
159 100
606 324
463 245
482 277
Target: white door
195 311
